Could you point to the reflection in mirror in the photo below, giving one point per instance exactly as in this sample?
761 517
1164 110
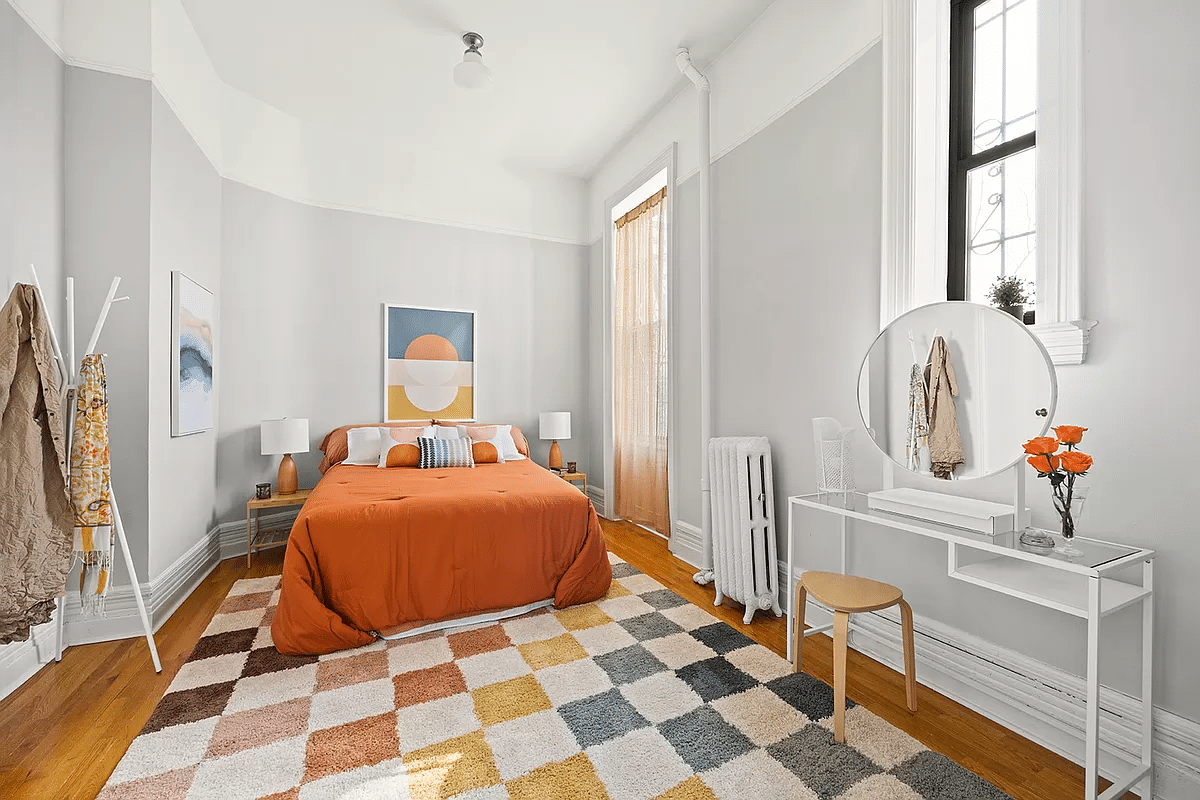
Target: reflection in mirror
1002 382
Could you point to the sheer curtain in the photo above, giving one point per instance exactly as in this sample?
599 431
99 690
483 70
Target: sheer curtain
640 366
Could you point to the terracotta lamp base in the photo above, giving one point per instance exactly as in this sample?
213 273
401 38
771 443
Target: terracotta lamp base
287 475
555 455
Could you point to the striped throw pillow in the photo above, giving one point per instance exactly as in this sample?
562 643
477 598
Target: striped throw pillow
437 453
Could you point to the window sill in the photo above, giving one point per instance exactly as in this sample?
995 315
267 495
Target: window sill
1067 342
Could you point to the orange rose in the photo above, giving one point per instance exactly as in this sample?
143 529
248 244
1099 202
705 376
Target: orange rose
1069 434
1044 463
1041 446
1076 462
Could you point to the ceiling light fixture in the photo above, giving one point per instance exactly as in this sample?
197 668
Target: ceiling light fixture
471 72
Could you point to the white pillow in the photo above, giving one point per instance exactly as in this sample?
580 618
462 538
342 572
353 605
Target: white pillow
363 446
448 431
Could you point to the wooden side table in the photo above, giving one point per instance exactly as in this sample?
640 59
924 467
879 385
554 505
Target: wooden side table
576 477
254 507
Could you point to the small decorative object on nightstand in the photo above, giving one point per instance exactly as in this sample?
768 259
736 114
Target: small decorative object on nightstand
554 425
255 505
262 491
570 466
284 437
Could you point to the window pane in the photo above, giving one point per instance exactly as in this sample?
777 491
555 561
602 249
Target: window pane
1001 222
1005 72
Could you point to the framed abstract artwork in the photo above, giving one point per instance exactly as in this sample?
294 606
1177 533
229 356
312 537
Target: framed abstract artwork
428 364
192 324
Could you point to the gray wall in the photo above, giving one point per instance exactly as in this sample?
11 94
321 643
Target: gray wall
302 297
185 234
31 161
107 146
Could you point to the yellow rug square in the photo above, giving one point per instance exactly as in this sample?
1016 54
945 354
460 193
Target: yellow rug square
552 652
691 789
576 618
616 589
500 702
451 767
574 778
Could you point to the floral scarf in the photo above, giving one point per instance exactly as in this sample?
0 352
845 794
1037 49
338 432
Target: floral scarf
90 485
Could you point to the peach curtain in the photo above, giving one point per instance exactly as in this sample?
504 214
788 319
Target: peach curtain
640 366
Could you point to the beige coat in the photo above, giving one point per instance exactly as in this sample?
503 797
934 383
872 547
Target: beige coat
35 510
945 441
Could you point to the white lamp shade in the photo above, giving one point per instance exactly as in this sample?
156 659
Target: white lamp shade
554 425
287 435
471 72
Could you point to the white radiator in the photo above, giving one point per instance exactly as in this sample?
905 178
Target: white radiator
743 528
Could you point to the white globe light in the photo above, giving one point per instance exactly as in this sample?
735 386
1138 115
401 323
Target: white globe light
471 72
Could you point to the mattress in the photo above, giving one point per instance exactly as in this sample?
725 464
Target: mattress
387 550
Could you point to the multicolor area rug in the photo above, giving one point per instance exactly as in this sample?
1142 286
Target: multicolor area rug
639 695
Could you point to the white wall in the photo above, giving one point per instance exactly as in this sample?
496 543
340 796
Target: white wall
788 53
31 161
185 235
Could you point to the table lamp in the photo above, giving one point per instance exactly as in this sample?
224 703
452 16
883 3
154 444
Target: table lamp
285 436
554 425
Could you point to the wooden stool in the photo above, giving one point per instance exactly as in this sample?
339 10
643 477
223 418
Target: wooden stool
846 595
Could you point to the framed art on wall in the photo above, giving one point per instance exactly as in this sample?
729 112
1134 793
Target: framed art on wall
428 364
192 324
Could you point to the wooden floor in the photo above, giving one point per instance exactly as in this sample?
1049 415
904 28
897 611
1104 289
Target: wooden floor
63 732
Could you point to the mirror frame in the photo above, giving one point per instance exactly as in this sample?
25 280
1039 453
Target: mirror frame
1053 407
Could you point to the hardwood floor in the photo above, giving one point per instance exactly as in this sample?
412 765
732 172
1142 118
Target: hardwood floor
65 730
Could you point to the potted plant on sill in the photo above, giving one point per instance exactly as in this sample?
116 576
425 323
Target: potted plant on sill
1009 294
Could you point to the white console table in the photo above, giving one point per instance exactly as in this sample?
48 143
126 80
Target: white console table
1082 586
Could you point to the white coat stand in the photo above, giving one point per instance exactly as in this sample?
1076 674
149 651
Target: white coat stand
70 385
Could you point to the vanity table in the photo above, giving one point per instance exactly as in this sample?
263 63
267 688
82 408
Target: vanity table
1007 392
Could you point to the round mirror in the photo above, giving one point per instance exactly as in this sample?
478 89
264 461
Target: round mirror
954 389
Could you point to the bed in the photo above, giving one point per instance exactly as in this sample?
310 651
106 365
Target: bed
390 550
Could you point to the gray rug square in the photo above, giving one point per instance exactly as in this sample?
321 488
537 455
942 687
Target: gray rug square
663 598
935 777
629 664
715 677
650 626
601 717
704 739
807 695
826 767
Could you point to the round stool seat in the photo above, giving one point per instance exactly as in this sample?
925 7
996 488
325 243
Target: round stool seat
850 593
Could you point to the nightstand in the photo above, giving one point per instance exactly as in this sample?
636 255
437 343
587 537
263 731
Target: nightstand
576 477
254 506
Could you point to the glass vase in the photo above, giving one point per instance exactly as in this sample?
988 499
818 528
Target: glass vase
1070 509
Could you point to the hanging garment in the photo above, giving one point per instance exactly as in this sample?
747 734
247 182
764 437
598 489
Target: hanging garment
945 442
918 420
35 511
90 485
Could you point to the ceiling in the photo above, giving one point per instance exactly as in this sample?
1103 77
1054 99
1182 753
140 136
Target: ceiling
570 78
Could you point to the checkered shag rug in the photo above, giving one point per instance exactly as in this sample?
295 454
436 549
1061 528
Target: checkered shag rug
639 695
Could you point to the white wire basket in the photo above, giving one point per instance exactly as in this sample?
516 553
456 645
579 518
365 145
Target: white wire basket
834 446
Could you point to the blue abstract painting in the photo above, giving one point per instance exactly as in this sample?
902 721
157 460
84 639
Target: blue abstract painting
191 356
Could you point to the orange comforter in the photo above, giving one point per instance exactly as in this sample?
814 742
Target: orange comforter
389 549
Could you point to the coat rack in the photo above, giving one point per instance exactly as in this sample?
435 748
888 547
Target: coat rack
66 368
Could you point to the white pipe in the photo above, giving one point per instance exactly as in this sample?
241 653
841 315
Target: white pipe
684 61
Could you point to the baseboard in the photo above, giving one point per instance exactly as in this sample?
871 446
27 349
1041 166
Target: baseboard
1038 701
596 495
687 543
20 660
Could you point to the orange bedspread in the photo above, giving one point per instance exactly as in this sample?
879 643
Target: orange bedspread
388 549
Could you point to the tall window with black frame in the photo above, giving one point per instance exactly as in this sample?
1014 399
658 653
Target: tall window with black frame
993 135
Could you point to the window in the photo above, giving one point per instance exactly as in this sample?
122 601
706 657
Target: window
993 138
